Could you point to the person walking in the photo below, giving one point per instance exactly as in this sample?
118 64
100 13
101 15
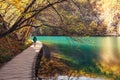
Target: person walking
34 40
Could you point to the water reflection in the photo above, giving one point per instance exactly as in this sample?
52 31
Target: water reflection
106 53
110 53
118 44
88 55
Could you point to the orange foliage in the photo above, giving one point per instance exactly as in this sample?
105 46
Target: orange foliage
52 67
9 47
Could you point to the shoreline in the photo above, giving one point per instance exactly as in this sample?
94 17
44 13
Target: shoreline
81 36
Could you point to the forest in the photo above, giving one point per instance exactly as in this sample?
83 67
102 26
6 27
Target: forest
19 19
60 17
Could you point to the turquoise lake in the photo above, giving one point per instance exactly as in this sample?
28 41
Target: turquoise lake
107 48
85 53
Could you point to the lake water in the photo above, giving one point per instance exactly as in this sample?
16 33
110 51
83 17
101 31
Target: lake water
91 54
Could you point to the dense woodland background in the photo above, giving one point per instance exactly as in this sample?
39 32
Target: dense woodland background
60 17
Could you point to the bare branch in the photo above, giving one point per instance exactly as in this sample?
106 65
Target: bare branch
100 22
41 9
56 11
62 28
76 5
29 25
20 21
15 25
28 7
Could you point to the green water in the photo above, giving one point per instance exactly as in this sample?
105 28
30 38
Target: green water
72 48
85 53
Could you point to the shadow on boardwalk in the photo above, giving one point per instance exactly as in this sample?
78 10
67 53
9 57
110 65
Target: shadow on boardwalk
43 52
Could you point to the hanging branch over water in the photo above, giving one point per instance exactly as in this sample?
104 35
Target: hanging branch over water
56 11
21 20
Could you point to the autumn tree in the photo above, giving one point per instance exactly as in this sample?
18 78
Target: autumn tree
25 15
73 17
109 12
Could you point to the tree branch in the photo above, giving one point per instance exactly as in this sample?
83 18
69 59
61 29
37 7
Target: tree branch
15 25
56 11
62 28
100 22
29 25
20 21
41 9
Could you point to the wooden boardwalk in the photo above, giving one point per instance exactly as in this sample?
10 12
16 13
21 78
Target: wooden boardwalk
20 67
